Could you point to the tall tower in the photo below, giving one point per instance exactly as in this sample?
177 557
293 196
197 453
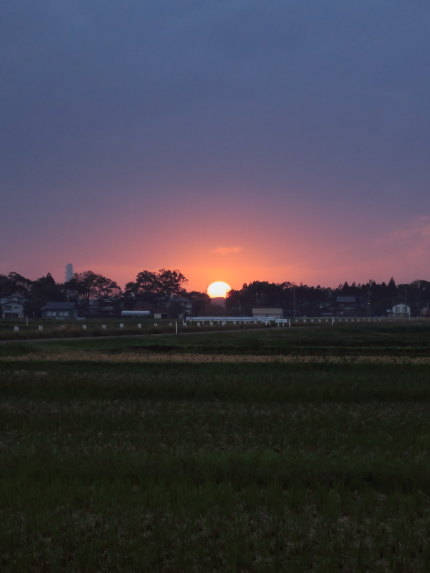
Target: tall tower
69 271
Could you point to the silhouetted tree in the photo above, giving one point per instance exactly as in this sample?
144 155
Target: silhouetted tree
200 301
154 287
7 286
89 285
15 283
170 283
43 290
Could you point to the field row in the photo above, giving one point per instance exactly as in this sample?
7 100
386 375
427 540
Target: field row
165 358
220 452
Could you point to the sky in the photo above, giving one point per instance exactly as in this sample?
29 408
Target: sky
234 140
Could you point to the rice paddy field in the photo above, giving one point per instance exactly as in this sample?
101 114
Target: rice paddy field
302 449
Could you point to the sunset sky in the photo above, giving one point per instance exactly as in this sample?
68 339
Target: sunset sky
236 140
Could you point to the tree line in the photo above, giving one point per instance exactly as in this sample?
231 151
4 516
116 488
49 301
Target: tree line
367 299
152 289
89 288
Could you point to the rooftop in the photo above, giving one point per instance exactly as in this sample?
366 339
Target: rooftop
59 306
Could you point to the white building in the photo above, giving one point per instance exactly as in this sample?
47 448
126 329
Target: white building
267 312
69 272
399 310
12 306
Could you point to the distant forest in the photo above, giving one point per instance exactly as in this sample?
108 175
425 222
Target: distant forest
166 289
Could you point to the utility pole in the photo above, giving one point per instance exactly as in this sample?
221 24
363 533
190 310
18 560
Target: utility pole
294 302
368 299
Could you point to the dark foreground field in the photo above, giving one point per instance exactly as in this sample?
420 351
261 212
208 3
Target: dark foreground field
245 452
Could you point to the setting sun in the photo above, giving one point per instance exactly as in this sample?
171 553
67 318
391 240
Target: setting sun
218 289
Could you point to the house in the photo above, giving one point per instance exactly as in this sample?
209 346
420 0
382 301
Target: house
346 306
180 306
425 310
268 312
399 310
160 313
105 306
59 310
12 306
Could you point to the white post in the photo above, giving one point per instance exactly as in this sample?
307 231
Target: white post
176 327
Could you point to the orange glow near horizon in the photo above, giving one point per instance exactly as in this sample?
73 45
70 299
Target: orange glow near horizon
218 289
313 250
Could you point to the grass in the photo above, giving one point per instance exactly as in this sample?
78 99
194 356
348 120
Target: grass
49 328
111 464
405 338
38 328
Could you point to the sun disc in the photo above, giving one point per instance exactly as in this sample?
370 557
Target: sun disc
218 289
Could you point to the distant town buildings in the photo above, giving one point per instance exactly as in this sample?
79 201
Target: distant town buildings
59 310
161 295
